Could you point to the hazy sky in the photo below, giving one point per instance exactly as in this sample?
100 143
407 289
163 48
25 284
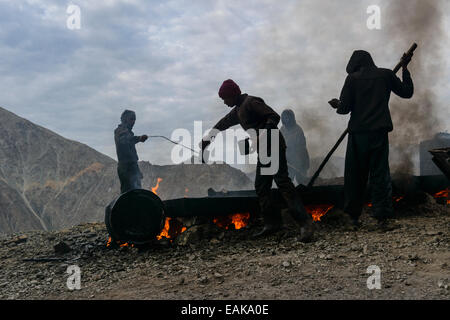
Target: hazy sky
167 59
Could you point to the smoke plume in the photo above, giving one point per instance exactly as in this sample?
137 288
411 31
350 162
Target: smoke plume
302 58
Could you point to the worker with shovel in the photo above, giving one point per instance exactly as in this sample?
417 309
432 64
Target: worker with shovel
365 95
252 113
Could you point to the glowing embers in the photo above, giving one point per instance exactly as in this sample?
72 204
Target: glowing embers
235 220
318 210
442 196
395 199
119 243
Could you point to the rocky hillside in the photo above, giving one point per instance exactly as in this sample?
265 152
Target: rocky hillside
48 182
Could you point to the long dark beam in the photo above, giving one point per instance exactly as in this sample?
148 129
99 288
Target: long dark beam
223 203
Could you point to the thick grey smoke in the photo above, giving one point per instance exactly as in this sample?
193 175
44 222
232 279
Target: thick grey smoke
417 119
302 58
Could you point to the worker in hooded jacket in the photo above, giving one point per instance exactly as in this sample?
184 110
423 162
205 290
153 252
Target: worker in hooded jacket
365 95
253 113
296 151
127 168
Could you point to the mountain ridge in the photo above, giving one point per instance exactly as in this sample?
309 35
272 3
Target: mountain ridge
48 182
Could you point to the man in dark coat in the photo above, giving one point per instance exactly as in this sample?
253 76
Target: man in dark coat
129 174
296 151
365 95
252 113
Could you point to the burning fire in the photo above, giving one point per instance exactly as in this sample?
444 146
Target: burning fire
172 228
157 185
165 231
239 220
126 244
318 210
443 194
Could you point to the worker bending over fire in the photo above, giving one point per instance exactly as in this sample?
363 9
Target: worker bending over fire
365 95
252 113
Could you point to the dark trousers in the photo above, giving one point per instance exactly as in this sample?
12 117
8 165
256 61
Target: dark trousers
367 157
263 186
129 175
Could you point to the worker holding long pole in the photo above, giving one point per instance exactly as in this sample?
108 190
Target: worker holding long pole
365 95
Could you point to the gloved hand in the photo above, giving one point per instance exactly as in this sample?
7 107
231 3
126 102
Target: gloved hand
203 145
143 138
405 60
334 103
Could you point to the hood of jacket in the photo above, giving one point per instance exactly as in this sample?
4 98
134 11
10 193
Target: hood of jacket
359 58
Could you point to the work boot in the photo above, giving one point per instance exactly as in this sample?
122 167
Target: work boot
267 230
272 222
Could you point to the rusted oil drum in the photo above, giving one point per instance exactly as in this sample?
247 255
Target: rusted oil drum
136 216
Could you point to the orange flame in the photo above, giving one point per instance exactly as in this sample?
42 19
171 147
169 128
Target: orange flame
157 185
239 220
172 228
318 210
165 230
120 244
443 194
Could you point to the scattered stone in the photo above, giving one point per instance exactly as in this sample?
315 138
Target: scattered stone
203 280
62 248
21 239
365 250
286 264
414 257
443 283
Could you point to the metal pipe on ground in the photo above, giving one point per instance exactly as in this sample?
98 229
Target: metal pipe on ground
138 216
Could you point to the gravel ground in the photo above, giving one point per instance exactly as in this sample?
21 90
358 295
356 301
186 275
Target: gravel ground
414 260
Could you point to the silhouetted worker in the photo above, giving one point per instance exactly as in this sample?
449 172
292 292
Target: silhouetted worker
252 113
365 95
296 151
129 174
